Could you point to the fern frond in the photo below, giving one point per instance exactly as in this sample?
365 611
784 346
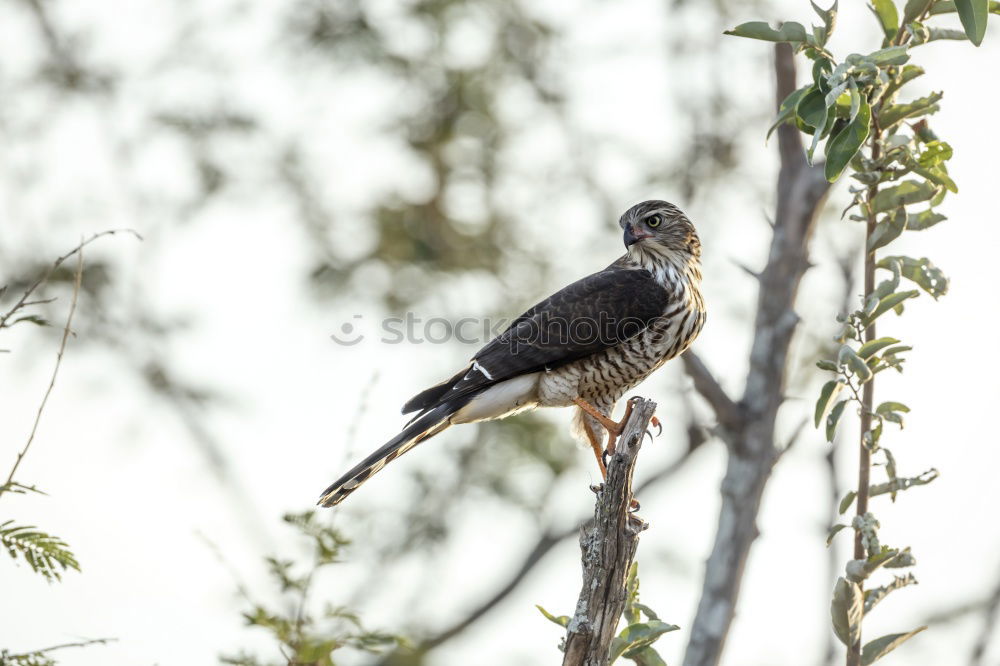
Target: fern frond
47 555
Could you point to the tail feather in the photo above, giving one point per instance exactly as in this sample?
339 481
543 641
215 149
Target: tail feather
423 427
430 397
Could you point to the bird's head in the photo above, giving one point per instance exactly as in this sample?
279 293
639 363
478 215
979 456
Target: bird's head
659 228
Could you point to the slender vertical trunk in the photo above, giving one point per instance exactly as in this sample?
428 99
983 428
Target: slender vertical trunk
867 400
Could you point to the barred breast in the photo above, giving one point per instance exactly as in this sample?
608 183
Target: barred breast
603 378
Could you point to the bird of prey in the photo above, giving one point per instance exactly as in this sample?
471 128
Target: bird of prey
583 346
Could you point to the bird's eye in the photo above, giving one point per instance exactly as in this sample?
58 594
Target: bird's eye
653 222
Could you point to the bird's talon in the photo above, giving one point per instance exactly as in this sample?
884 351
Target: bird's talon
633 505
656 422
596 487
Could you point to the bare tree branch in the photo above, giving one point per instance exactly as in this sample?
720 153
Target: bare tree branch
609 547
752 451
726 411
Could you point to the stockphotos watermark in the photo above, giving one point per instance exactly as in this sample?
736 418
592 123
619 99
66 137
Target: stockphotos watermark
544 330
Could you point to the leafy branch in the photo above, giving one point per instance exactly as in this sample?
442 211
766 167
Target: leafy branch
853 106
303 637
47 555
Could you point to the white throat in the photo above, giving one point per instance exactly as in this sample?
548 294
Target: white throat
669 267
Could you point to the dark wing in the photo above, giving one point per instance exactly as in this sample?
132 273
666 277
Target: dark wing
590 315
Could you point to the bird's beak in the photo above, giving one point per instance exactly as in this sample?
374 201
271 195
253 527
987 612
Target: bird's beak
631 237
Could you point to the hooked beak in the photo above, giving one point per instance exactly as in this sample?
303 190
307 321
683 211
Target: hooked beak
631 237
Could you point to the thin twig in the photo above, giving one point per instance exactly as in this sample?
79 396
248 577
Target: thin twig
55 371
63 646
58 262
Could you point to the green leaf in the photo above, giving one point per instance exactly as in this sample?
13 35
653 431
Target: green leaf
890 412
637 637
834 531
973 14
921 33
886 287
902 560
846 502
924 220
897 350
855 363
915 9
887 15
812 109
874 346
826 396
921 271
846 611
790 32
907 192
845 145
889 406
826 365
938 176
562 620
937 34
647 611
829 17
890 302
833 418
786 111
882 646
894 55
918 107
874 595
888 229
947 6
647 657
935 152
821 69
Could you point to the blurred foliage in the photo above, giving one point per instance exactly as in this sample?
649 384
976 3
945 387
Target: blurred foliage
467 206
305 637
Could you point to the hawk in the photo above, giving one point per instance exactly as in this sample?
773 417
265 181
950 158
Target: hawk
584 346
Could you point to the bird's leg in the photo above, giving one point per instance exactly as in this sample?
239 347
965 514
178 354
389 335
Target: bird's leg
614 428
595 443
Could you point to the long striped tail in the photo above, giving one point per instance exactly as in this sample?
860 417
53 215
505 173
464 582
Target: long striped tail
421 428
